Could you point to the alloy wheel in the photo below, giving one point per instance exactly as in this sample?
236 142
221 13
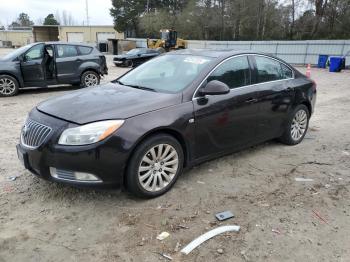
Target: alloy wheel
90 80
158 167
299 125
7 86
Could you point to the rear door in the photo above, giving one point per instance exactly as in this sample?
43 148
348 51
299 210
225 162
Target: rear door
274 80
67 63
226 122
32 68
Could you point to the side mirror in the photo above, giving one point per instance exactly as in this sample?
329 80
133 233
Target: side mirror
215 87
21 58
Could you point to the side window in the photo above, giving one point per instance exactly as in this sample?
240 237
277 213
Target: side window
234 72
268 69
287 72
84 50
36 52
66 51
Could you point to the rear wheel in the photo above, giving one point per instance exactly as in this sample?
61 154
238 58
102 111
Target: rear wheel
89 78
155 166
297 126
8 86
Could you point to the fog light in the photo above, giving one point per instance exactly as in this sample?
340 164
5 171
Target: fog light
73 176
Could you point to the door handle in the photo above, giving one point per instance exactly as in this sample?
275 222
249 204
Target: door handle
78 60
251 100
288 89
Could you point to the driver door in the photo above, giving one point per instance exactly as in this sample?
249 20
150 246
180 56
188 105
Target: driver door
226 122
32 68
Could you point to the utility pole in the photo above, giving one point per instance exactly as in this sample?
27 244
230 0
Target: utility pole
87 12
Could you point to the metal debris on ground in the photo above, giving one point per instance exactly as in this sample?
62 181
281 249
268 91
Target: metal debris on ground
164 255
276 231
224 215
317 214
12 178
301 179
212 233
163 235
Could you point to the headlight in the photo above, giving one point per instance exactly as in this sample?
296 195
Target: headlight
90 133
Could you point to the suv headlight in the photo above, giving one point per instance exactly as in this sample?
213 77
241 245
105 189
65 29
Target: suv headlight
90 133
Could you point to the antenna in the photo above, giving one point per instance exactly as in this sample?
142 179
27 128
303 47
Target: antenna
87 11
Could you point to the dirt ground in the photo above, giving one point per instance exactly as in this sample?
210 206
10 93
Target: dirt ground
280 219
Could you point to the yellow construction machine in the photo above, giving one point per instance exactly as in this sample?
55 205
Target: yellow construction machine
168 41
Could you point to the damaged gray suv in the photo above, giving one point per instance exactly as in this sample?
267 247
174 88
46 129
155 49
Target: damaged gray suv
51 63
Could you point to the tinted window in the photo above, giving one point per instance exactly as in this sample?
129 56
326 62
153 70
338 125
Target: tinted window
268 69
234 72
66 50
287 72
84 50
36 52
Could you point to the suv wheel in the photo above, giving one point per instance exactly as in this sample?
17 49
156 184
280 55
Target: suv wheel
155 166
89 78
8 85
297 126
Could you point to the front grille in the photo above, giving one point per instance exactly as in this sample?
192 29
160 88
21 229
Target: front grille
34 134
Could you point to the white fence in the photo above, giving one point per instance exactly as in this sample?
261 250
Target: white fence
294 52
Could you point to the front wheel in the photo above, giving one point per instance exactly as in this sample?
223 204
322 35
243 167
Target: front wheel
8 85
89 78
297 126
155 166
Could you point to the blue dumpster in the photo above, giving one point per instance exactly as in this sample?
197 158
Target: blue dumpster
322 61
336 64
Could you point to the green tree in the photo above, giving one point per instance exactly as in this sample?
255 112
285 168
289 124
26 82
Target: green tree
126 14
23 20
50 20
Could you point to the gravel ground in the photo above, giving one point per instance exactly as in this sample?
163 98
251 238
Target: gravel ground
280 219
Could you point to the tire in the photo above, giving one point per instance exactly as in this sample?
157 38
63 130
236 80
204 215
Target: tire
296 126
158 175
89 78
8 86
129 63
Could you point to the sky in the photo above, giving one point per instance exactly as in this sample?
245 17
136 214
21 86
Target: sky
39 9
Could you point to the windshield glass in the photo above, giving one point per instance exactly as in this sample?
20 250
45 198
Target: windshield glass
17 52
168 73
135 51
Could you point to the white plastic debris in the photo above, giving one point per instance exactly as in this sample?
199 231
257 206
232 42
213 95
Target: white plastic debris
212 233
163 235
301 179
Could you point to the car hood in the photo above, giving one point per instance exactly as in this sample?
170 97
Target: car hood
121 56
109 101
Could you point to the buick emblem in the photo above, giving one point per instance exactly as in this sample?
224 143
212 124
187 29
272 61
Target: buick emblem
25 130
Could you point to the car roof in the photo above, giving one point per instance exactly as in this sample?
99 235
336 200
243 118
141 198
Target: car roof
64 43
215 53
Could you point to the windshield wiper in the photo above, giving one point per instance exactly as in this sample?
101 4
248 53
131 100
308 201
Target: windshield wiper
136 86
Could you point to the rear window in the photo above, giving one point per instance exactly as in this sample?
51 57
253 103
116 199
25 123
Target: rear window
84 50
66 51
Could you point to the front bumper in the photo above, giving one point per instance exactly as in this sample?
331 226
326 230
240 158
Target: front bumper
106 160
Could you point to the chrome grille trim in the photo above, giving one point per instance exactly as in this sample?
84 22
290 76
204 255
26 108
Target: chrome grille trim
34 134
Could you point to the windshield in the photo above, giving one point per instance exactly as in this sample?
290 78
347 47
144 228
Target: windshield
17 52
168 73
135 51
